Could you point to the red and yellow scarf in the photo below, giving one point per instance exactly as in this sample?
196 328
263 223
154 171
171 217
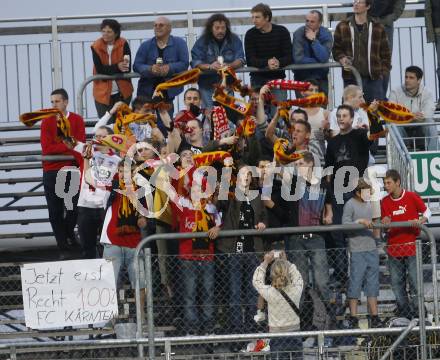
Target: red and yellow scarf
63 124
282 156
389 112
186 77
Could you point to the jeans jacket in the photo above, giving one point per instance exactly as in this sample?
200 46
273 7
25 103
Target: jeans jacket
206 52
175 55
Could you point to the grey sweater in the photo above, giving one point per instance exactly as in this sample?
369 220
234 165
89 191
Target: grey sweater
422 101
360 240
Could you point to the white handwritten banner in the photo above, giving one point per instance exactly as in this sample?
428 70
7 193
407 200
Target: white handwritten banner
68 293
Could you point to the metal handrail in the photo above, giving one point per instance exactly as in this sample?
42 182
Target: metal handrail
132 75
267 232
211 338
34 158
416 124
395 139
402 336
185 12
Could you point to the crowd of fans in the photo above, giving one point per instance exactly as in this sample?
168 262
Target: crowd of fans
104 209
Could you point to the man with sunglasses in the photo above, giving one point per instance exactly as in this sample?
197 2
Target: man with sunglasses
160 58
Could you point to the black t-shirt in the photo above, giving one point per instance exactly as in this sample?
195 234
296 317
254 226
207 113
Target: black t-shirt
246 221
351 149
360 27
219 42
160 51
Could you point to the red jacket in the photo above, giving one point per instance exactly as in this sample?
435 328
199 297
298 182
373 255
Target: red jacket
407 207
51 143
125 236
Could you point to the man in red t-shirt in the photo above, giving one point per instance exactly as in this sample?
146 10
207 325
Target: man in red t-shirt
398 206
62 219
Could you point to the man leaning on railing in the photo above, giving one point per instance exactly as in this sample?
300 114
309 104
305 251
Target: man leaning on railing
312 44
160 58
268 47
419 100
217 47
402 205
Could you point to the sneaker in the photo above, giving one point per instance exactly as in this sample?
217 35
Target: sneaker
309 343
235 347
352 322
328 342
260 316
375 322
209 347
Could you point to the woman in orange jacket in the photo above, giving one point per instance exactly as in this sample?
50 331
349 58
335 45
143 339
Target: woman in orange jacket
111 55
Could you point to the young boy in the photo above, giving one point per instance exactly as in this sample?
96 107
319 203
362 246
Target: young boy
97 171
364 264
121 231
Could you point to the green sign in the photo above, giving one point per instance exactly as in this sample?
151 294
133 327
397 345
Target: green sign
426 173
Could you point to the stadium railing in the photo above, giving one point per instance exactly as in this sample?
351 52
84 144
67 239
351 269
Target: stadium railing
150 315
57 58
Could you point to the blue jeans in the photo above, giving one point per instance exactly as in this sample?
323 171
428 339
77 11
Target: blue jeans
206 96
199 317
364 270
121 256
242 295
424 137
401 269
280 348
299 249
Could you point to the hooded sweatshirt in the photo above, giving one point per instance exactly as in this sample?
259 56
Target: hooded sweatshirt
422 101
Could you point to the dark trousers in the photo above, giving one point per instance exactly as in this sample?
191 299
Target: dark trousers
242 295
389 29
89 227
61 219
101 109
373 89
337 256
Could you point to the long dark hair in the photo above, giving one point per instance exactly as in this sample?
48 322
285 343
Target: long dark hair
207 32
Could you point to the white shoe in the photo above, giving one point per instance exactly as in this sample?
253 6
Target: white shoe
260 316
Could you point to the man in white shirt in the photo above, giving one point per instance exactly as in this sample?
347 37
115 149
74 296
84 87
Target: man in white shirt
354 97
